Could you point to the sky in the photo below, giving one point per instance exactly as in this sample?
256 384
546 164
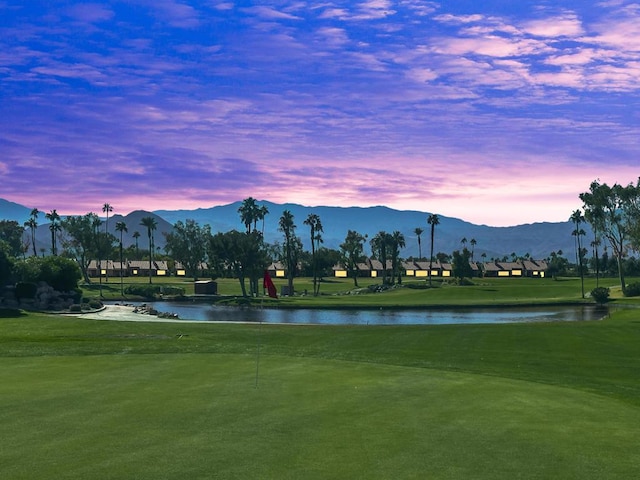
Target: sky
496 112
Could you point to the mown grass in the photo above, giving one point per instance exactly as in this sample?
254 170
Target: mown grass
341 293
99 399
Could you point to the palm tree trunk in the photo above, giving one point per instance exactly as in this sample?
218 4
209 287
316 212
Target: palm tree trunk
121 271
150 255
33 241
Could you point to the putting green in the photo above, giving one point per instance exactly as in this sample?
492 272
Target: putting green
201 416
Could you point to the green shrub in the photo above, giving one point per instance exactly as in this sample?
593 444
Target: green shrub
600 295
77 295
145 291
169 290
95 304
59 272
25 290
75 308
11 313
632 290
151 291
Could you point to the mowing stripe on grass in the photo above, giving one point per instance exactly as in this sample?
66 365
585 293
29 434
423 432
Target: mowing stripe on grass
200 416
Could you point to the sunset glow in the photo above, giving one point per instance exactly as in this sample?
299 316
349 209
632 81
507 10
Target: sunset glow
495 112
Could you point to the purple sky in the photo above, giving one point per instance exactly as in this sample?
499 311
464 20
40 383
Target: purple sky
494 112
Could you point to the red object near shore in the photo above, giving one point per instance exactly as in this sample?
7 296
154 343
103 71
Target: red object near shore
268 284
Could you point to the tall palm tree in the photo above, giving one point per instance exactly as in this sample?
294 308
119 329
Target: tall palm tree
98 241
577 218
418 231
287 227
262 212
150 224
379 249
432 220
248 211
106 208
595 217
397 242
122 228
464 242
315 225
54 226
32 223
136 235
473 243
595 244
382 246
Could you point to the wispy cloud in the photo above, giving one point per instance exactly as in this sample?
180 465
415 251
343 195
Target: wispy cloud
270 13
340 102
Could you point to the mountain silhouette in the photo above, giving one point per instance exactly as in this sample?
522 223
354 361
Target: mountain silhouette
536 239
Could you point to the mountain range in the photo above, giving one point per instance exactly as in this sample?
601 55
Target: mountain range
536 239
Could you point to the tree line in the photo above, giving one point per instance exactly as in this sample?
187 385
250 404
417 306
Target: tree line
612 211
614 215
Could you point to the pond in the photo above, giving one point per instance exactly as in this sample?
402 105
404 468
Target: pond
213 313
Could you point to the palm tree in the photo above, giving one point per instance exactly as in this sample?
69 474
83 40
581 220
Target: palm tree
432 220
595 217
577 218
150 224
397 242
136 235
464 242
106 208
249 213
595 244
315 225
418 231
262 212
54 218
287 227
32 223
98 241
473 243
121 227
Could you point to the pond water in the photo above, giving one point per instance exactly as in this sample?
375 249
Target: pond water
213 313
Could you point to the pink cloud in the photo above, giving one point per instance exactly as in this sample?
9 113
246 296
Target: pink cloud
565 26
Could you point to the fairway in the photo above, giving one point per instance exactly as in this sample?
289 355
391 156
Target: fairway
201 416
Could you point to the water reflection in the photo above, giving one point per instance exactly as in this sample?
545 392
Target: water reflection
213 313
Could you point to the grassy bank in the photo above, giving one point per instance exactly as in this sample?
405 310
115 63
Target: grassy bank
341 293
98 399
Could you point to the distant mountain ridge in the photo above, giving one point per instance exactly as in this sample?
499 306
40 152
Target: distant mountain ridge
537 239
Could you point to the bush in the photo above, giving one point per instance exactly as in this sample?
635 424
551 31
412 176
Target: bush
632 290
600 295
75 308
76 295
95 304
151 291
145 291
11 313
169 290
60 273
25 290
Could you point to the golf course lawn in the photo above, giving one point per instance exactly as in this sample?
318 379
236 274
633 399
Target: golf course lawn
84 399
